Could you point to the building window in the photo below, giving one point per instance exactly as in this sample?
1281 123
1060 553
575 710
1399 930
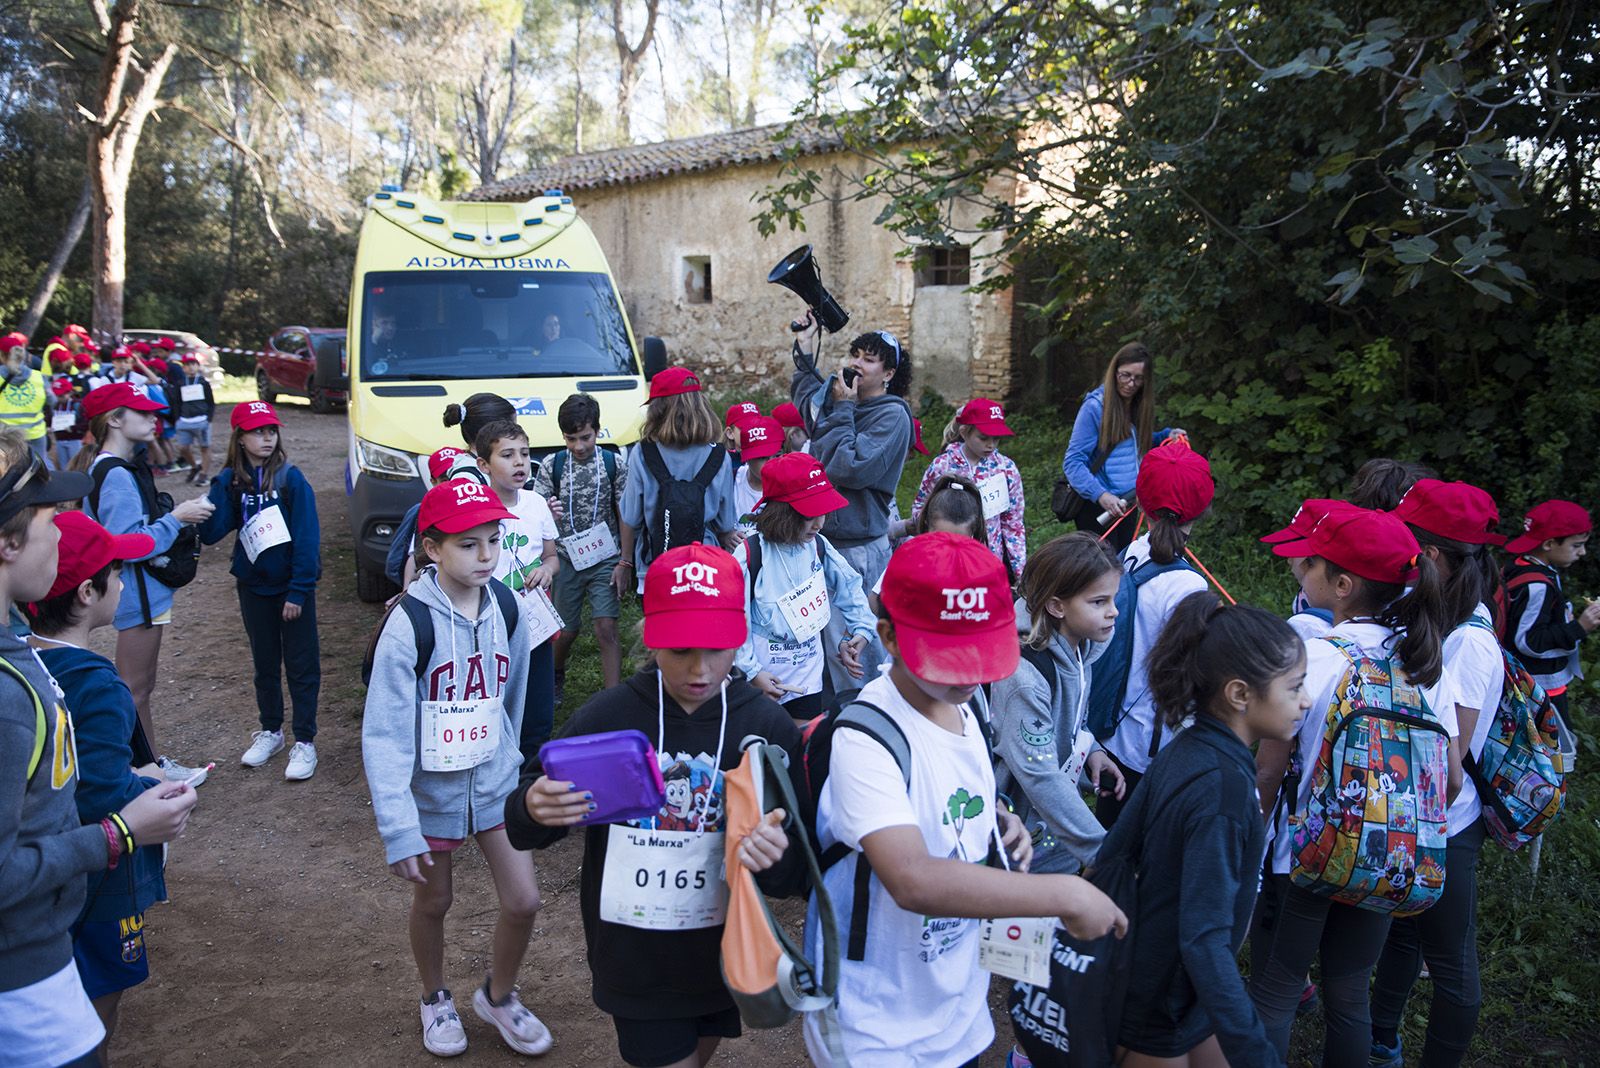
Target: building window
944 265
697 279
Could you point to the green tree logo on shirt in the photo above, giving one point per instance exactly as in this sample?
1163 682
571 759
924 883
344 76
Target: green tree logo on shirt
962 807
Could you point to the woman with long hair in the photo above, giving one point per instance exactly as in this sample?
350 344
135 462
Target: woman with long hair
1114 428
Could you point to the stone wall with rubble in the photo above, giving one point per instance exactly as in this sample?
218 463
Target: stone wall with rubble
656 232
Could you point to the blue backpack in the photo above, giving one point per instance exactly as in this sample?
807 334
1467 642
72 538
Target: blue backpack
1108 683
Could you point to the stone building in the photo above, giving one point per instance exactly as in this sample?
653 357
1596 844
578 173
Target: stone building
674 219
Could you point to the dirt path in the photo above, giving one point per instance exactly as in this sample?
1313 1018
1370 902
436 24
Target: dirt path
284 942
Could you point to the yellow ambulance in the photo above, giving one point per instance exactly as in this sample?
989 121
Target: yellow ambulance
451 299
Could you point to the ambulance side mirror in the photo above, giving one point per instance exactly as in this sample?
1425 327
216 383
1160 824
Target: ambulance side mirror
655 357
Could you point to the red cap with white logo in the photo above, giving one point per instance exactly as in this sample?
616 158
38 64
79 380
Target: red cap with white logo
15 339
694 599
252 414
1547 520
741 413
117 395
1459 511
984 416
760 436
798 480
439 463
1305 520
460 504
950 603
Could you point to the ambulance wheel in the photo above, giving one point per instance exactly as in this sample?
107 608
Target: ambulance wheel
264 389
373 587
320 402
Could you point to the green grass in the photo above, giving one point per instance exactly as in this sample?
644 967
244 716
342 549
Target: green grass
236 389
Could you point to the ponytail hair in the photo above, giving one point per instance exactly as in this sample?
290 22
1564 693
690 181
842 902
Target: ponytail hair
93 441
1473 579
476 412
1380 483
952 432
1206 644
1063 567
1419 616
954 499
1168 539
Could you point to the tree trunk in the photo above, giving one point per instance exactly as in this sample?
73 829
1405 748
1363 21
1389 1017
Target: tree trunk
629 58
114 133
58 263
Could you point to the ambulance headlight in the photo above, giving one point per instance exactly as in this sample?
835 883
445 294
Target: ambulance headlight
381 461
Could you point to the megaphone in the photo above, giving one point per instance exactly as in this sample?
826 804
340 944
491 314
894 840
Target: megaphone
797 272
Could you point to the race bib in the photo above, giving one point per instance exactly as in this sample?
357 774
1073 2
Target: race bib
457 735
539 616
796 665
262 531
63 419
1080 753
194 392
805 608
663 880
1017 948
590 547
995 493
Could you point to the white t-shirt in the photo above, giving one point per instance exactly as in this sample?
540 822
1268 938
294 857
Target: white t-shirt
1477 671
1325 666
1158 598
918 998
744 501
1309 626
49 1022
522 539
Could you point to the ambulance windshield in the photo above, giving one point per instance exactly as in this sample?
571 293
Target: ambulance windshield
491 324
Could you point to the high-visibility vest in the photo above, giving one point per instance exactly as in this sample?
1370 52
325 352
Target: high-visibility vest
55 355
22 406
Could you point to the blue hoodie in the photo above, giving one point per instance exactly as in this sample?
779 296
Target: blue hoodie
293 567
104 719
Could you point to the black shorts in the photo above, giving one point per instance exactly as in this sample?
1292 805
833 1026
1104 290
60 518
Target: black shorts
654 1043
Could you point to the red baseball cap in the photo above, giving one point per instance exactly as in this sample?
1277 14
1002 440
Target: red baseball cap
12 340
759 436
439 463
950 602
916 437
253 414
74 328
158 365
461 504
741 413
1305 520
788 415
142 348
61 387
109 398
984 416
1459 511
189 357
672 381
1175 478
122 352
798 480
1374 545
83 361
166 343
1550 519
694 598
86 547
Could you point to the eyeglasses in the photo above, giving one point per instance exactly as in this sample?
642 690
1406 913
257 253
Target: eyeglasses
1128 378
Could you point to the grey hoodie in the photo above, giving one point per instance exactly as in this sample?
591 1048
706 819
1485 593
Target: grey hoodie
44 851
410 803
1032 744
862 446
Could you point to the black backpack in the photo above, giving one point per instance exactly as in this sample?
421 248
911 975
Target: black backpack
422 625
558 468
680 517
177 566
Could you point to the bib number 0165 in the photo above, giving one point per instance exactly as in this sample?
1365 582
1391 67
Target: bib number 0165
644 878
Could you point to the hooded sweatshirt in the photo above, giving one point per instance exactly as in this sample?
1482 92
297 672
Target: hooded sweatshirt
291 568
472 659
104 724
44 851
652 974
120 508
862 445
1033 743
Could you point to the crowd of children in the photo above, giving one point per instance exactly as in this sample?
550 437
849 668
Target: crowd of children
1317 782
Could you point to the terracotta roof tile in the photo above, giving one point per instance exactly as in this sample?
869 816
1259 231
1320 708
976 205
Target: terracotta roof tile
641 163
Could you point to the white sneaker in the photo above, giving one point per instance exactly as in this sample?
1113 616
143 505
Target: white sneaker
176 772
262 749
521 1029
302 762
442 1033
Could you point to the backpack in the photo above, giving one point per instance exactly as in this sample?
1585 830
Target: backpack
680 517
816 742
1373 835
765 968
752 556
177 566
1043 661
1502 597
421 617
41 723
1108 688
1522 776
558 467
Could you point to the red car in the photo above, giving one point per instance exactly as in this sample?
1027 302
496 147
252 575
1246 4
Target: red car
305 361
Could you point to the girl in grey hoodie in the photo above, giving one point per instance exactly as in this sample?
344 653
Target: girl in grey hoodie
1042 747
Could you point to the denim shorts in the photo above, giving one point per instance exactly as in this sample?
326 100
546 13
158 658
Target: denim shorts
200 435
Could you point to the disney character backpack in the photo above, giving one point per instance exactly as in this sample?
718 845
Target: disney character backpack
1373 835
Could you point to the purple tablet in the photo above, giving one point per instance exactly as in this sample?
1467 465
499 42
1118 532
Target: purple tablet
618 767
